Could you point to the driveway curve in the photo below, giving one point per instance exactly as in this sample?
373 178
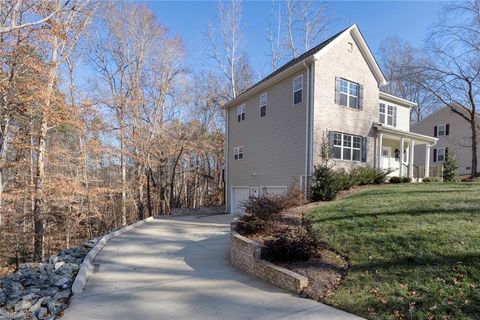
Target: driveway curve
178 268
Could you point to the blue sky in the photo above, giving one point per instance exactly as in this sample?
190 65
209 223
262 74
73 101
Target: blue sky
409 20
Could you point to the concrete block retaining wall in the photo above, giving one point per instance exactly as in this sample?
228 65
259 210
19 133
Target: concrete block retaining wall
245 254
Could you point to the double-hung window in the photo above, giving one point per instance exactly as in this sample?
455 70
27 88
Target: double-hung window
238 153
241 113
440 154
388 115
441 130
263 105
349 94
347 147
298 90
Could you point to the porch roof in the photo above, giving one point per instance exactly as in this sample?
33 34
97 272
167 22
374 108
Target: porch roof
405 134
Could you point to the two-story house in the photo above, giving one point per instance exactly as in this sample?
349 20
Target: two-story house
454 137
275 130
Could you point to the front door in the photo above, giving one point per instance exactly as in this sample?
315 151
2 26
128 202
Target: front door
386 157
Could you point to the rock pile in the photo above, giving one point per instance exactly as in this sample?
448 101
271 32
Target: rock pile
41 290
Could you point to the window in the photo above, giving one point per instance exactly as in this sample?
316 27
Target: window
297 90
346 147
349 94
241 113
388 115
263 105
238 153
441 130
440 154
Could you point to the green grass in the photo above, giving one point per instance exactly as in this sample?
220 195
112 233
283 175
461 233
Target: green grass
413 250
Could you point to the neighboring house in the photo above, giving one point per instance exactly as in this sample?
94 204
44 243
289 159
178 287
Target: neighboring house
454 137
275 130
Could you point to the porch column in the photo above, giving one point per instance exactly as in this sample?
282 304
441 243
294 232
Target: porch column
402 149
427 160
410 159
380 152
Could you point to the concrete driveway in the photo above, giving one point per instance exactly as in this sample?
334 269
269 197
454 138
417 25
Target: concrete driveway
178 268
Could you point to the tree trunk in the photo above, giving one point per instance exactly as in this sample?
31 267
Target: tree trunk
149 197
39 199
474 171
140 206
123 169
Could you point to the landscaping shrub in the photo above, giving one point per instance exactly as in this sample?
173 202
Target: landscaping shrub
292 198
431 179
250 224
400 180
345 180
264 206
367 175
325 184
450 169
297 243
395 180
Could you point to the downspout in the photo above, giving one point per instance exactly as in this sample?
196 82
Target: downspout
225 166
308 126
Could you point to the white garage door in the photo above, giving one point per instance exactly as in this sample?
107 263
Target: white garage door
239 196
274 190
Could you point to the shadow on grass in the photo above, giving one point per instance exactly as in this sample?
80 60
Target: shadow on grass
413 212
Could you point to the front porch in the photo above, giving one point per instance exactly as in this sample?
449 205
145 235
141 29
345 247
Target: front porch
395 150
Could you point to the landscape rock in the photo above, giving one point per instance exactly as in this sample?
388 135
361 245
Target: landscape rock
41 290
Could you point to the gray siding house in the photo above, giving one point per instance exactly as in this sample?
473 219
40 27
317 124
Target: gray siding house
275 130
454 138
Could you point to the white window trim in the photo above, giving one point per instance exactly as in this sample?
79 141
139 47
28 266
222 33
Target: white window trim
252 189
342 147
386 115
438 153
266 104
444 126
236 152
301 89
240 111
349 94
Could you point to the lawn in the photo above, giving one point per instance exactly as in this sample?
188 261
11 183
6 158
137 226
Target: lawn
413 251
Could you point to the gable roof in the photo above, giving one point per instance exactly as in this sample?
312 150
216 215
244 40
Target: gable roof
441 109
356 34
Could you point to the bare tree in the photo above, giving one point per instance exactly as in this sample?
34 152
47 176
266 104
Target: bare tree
453 76
274 35
226 46
400 62
305 23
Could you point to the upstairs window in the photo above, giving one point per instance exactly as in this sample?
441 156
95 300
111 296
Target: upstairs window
388 115
347 147
441 130
348 93
241 113
238 153
263 105
298 89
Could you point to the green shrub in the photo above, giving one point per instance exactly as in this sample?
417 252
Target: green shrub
325 184
400 180
395 180
368 175
345 180
431 179
297 243
450 169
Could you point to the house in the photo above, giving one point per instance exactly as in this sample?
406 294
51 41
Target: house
454 137
275 130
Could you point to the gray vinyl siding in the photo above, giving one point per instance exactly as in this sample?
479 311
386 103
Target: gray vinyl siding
274 145
458 141
338 61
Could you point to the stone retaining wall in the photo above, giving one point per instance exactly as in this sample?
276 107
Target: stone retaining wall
245 254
